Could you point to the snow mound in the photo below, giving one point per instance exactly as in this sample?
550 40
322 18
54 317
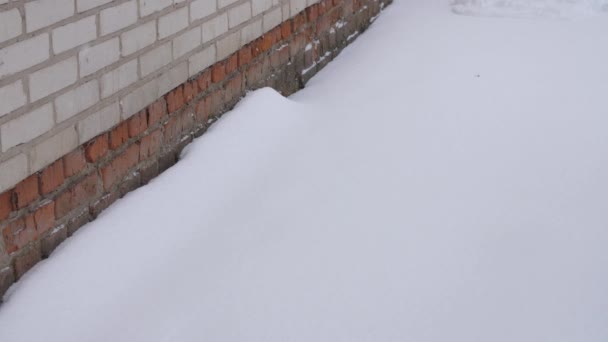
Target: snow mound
530 8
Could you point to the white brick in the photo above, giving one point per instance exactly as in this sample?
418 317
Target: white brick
172 78
251 32
118 17
239 14
76 100
139 99
155 59
27 127
215 27
224 3
202 8
12 171
10 24
94 58
13 97
259 6
119 78
228 45
138 38
42 13
147 7
53 78
173 22
201 60
74 34
53 148
186 42
84 5
24 54
297 6
272 19
98 122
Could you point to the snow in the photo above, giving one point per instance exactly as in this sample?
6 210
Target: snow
531 8
445 179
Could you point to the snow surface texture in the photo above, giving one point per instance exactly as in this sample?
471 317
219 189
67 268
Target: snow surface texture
531 8
445 179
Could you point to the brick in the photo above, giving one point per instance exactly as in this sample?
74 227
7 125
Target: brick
201 60
99 56
299 21
78 220
26 53
19 233
119 135
312 13
232 63
74 34
186 42
112 173
119 78
76 100
44 218
251 32
172 22
147 7
202 113
53 148
175 100
84 5
79 195
26 191
215 27
190 90
202 8
138 38
27 127
50 242
172 129
150 144
156 112
239 14
7 278
13 97
98 122
103 203
286 29
117 17
234 88
148 172
244 55
272 19
228 45
155 59
214 103
51 177
53 78
138 123
10 24
12 171
74 163
218 72
41 13
27 260
204 81
6 205
97 149
259 6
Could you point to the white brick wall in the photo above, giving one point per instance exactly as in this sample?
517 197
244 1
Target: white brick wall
60 58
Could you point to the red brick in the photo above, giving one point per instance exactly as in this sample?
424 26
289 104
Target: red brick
156 112
323 7
213 103
44 218
299 21
51 177
175 100
276 32
80 194
74 163
244 55
232 63
6 204
234 87
255 47
286 29
118 168
26 191
312 13
218 72
172 129
266 42
96 149
204 80
19 233
190 91
323 24
138 124
202 114
119 135
150 144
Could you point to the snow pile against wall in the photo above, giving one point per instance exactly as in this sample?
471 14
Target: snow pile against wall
530 8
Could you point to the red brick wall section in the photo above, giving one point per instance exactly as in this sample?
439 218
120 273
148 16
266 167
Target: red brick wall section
43 210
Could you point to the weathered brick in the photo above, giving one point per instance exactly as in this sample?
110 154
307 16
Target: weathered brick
148 172
156 112
233 88
119 135
286 29
6 204
299 21
312 13
218 72
202 114
150 144
244 55
74 163
80 194
44 217
27 191
19 233
138 124
50 242
175 99
7 278
51 177
204 80
190 90
78 220
172 129
26 260
232 63
97 149
103 203
117 169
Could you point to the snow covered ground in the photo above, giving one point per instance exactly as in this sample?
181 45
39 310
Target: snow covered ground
445 179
